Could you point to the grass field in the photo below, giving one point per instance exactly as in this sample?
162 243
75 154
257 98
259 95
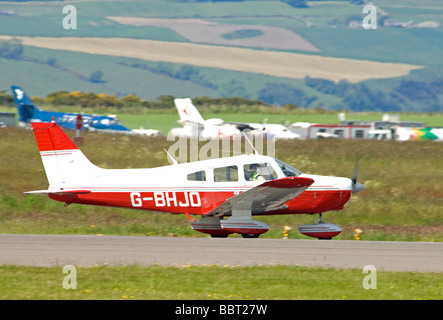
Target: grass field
278 64
402 199
165 121
215 283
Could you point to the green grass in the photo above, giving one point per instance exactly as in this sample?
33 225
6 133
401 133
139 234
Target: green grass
214 283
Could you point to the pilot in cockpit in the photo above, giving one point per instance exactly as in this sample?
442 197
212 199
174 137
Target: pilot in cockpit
254 173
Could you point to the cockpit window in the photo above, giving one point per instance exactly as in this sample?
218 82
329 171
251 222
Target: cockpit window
288 170
226 174
259 172
197 176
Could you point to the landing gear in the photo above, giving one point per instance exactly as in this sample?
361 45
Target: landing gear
250 235
219 235
320 229
320 218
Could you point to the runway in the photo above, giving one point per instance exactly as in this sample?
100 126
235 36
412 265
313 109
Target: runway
90 250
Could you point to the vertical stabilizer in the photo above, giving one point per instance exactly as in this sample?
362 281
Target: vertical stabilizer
187 111
64 163
25 106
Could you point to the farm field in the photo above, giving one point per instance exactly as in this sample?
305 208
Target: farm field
278 64
202 31
323 27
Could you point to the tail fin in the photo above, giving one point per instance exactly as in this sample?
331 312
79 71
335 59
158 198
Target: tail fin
187 111
64 163
25 106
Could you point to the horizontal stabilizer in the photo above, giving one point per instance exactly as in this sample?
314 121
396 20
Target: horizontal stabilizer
61 192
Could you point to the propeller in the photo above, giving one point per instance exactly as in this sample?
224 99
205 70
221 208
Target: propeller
356 186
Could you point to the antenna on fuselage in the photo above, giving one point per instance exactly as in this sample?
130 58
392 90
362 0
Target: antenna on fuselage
170 157
252 146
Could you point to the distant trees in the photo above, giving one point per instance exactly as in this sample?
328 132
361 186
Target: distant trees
327 86
296 3
51 61
5 99
407 95
11 49
93 100
424 94
232 88
283 94
96 76
175 71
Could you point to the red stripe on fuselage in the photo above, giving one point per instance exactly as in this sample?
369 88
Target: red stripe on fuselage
201 202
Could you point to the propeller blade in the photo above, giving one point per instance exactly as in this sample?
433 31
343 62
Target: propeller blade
356 187
355 173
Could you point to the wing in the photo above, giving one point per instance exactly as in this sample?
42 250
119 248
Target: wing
241 126
268 196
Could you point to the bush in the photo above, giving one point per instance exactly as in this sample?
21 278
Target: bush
11 49
96 76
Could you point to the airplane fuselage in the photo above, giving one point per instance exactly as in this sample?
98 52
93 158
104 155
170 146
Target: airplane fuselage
150 189
237 187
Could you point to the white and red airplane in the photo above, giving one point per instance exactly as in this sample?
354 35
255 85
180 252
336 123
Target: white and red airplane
228 193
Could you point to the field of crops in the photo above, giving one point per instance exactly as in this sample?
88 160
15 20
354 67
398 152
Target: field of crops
278 64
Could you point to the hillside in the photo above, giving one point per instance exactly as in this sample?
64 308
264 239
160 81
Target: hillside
396 67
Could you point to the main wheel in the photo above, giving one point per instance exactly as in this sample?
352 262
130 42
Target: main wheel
250 235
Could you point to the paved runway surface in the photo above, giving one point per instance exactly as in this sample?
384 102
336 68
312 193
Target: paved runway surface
60 250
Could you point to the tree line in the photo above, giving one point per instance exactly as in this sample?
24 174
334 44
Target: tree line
94 100
406 95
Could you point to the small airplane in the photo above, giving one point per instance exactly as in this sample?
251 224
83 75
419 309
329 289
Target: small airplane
195 127
28 112
190 115
237 188
432 134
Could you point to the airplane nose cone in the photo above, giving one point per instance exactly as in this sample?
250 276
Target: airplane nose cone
357 187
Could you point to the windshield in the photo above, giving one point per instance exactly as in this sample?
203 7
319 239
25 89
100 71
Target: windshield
259 172
288 170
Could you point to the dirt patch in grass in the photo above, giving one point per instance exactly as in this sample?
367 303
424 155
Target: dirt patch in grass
201 31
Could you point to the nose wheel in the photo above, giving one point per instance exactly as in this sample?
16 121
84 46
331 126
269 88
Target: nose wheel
320 229
320 221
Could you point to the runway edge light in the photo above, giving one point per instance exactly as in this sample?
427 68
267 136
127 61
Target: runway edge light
286 231
357 233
